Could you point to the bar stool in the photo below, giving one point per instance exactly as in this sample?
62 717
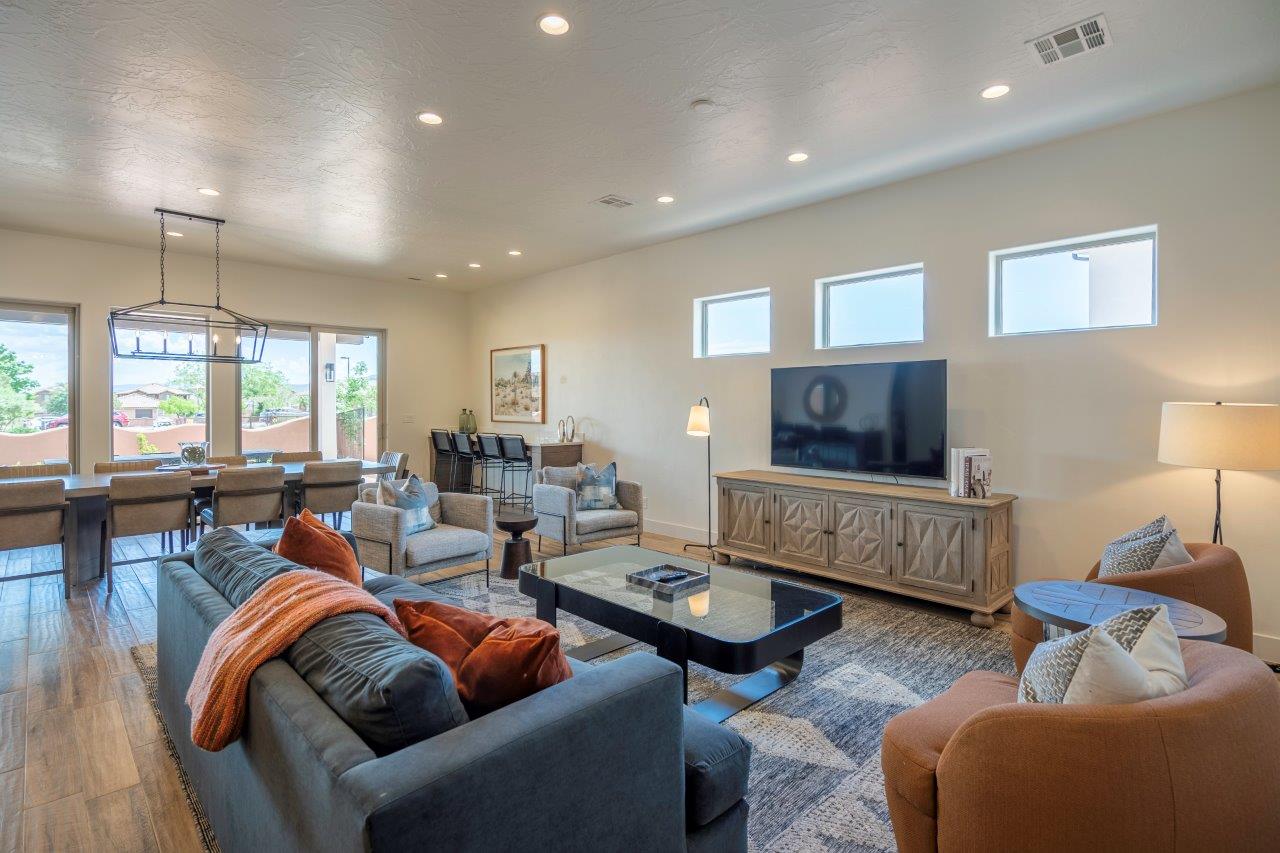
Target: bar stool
516 460
142 504
246 496
33 514
444 456
330 487
490 458
462 454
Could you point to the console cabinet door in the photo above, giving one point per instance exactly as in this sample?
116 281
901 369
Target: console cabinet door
800 528
744 517
935 545
861 531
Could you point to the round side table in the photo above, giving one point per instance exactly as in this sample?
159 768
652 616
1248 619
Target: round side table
515 551
1075 605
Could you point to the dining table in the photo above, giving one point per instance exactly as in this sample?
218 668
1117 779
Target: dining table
86 495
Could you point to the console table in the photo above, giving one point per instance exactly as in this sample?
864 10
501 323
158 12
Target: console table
910 540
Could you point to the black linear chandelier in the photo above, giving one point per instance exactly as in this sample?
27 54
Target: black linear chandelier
187 331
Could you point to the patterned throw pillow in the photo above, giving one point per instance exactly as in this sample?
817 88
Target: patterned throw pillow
1154 551
1151 528
1128 658
413 498
598 487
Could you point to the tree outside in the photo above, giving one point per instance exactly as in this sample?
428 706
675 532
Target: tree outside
17 393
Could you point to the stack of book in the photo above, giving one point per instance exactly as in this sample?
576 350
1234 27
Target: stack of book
970 472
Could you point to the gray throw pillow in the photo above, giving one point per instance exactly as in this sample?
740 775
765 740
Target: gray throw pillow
1155 551
414 498
598 487
566 478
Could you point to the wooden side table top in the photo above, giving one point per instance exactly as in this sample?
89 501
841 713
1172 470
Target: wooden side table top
1075 605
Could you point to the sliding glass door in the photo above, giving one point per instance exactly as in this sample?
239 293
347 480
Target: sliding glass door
348 413
37 383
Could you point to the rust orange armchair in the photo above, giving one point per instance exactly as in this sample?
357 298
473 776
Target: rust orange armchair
1214 580
974 770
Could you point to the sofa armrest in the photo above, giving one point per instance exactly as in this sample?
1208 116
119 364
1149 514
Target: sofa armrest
593 763
474 512
380 536
631 496
556 508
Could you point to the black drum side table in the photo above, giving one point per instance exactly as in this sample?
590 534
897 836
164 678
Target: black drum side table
515 551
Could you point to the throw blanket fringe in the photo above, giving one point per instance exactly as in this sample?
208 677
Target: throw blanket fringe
263 627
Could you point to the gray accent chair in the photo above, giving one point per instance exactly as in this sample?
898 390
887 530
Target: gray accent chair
463 533
555 503
607 761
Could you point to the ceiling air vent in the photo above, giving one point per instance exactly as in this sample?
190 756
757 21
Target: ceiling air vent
612 200
1088 35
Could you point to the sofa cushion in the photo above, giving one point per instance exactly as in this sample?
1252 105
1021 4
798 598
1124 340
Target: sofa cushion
595 520
387 588
444 542
234 566
717 761
390 692
310 542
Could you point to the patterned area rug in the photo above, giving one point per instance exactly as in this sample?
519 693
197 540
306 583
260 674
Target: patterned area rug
816 783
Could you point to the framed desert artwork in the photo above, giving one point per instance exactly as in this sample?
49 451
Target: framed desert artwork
516 386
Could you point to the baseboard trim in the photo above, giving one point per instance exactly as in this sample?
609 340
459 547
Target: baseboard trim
677 531
1267 647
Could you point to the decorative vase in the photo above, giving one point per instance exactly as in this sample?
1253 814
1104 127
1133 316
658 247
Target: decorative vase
193 453
462 420
470 428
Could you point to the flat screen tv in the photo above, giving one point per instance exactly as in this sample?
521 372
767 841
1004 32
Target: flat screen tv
888 418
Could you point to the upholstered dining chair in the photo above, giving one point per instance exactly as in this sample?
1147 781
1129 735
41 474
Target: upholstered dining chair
398 459
126 467
232 461
33 514
296 456
330 487
246 496
48 469
139 504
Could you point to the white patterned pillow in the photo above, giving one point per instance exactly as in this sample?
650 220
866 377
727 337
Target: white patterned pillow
1128 658
1155 551
1151 528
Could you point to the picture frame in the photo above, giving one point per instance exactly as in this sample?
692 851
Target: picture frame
517 384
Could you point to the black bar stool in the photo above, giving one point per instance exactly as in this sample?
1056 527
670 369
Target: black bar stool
463 456
515 461
490 459
444 456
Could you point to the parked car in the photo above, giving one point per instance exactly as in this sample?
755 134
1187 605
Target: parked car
118 418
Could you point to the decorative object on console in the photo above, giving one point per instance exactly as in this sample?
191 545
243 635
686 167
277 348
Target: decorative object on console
597 488
566 430
1130 657
517 386
970 472
146 331
699 426
193 453
1230 436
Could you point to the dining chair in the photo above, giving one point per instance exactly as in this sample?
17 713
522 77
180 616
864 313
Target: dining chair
139 504
516 460
125 467
490 458
398 459
330 487
463 459
233 461
246 496
34 514
49 469
296 456
444 457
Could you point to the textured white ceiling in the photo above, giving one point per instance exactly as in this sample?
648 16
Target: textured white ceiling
302 113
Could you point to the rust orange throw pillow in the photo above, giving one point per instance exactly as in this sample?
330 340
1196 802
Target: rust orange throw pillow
310 542
494 661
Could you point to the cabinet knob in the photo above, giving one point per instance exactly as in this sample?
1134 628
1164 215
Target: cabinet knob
899 544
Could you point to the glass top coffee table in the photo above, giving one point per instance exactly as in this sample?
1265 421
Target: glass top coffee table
737 623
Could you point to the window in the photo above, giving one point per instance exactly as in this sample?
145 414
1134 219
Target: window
1100 282
731 324
156 405
275 395
37 383
348 404
878 307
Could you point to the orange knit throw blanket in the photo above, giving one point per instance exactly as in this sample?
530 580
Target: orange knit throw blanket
270 621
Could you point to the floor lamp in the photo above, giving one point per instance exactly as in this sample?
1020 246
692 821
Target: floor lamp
1221 436
700 426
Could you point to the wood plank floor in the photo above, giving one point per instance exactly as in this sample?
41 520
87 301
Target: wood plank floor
81 763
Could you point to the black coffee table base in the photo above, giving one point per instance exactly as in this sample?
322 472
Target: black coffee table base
601 647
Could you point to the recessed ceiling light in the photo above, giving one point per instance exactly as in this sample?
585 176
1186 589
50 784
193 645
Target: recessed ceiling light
174 233
474 266
208 191
430 118
515 253
997 91
797 157
665 199
442 275
553 24
702 105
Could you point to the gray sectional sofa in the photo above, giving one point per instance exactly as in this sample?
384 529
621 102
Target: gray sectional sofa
355 740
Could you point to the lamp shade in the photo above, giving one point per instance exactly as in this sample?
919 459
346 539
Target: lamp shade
699 420
1230 436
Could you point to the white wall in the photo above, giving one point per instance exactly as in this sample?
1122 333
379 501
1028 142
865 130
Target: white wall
1072 419
425 327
